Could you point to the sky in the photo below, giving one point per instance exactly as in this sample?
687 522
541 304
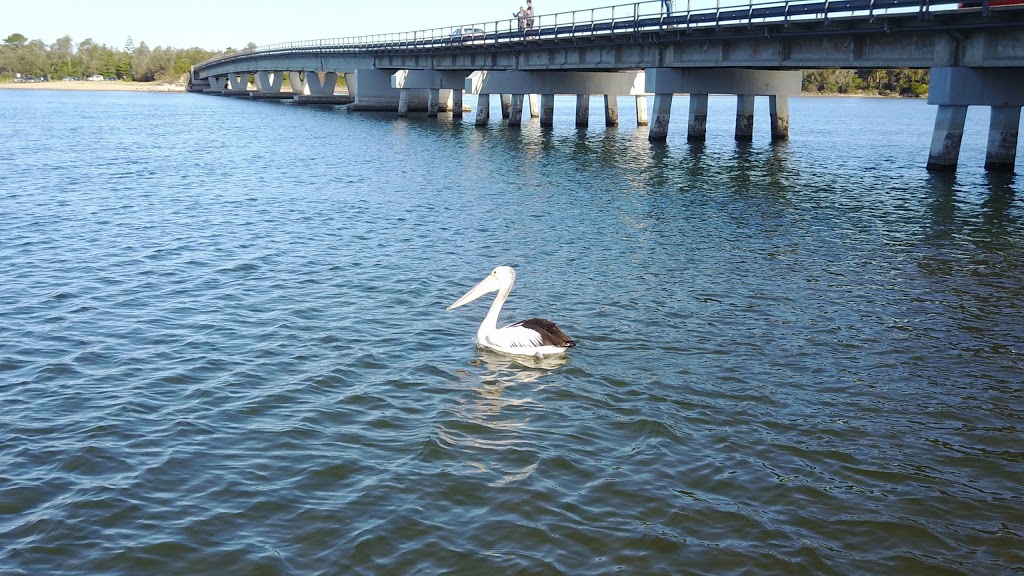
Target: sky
219 24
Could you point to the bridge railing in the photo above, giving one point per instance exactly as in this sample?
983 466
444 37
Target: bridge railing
636 18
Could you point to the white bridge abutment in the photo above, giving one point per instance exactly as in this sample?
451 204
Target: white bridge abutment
953 89
700 82
548 83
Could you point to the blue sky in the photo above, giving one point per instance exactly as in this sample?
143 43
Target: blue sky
217 24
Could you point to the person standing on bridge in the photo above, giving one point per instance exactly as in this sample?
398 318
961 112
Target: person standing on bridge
667 5
529 14
521 15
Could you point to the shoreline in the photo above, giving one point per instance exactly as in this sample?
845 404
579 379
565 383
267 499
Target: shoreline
95 86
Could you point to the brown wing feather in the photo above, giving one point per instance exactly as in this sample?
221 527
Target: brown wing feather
550 335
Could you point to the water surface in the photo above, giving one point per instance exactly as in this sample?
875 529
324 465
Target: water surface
224 344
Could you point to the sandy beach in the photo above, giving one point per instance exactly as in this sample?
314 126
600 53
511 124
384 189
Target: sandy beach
96 86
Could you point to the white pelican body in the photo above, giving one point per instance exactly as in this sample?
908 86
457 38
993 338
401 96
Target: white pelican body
533 337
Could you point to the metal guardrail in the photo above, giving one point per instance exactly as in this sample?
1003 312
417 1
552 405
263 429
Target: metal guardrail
635 18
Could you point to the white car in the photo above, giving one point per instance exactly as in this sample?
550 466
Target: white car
95 78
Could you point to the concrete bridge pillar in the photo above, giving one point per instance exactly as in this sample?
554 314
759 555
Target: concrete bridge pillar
534 109
506 105
238 82
953 89
269 81
778 107
745 118
433 97
547 109
296 81
582 110
321 83
641 110
373 91
662 115
483 109
697 126
1003 128
456 103
611 110
515 116
699 82
403 102
946 138
217 84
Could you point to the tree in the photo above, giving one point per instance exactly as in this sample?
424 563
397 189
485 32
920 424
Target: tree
15 40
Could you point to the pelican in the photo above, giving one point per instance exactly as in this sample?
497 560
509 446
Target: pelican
533 337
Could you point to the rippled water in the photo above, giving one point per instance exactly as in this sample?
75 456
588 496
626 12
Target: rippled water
224 345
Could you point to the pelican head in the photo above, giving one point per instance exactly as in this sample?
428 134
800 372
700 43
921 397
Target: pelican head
500 279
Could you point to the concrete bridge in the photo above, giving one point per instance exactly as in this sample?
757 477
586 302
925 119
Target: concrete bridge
975 55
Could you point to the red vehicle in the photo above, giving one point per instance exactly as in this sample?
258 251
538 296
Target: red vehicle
990 3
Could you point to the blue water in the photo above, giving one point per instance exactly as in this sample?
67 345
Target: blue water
224 347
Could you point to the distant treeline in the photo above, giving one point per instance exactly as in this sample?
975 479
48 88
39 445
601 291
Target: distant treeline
65 58
881 82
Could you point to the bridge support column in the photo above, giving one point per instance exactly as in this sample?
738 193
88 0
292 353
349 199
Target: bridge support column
699 82
373 91
238 83
433 96
1002 138
269 81
456 103
506 105
403 102
547 109
515 116
217 84
641 110
321 83
611 110
778 107
953 89
946 138
534 109
662 114
483 109
697 126
745 118
582 110
297 83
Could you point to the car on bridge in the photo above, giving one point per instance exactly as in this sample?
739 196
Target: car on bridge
464 34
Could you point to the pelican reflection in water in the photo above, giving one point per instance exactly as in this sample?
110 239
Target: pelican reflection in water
533 337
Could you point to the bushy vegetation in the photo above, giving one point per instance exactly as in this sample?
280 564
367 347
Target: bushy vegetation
881 82
64 58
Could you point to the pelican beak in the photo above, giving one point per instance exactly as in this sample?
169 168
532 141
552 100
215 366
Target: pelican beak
489 284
